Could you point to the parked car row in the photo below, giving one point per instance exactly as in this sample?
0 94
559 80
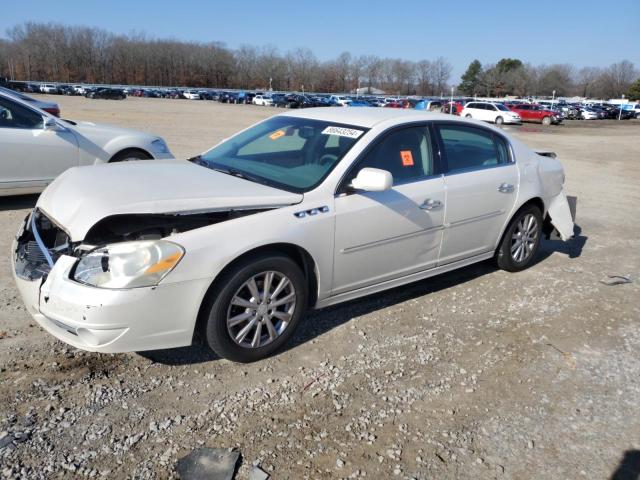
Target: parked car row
546 112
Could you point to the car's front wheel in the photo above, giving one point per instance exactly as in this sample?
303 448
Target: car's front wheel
521 240
256 307
130 155
546 121
468 115
499 120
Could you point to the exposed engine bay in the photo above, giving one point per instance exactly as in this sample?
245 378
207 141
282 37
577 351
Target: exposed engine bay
42 242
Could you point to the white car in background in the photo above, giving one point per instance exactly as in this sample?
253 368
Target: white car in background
303 210
490 112
340 100
48 88
191 95
49 107
36 147
588 114
264 100
79 89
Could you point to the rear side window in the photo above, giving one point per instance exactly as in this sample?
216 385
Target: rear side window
468 148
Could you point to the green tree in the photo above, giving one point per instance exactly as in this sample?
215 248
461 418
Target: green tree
634 91
507 64
470 80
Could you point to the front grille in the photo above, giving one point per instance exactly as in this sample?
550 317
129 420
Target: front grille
31 261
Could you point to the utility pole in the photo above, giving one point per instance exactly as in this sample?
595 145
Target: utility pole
451 101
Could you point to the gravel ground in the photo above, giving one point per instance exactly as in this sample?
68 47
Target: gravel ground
475 374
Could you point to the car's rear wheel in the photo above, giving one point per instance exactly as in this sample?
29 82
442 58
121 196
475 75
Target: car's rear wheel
468 115
256 308
499 120
546 121
521 240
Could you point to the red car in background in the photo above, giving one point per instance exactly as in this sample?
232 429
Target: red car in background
402 103
454 108
536 113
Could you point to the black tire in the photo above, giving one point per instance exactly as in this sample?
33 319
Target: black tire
218 306
505 257
130 155
499 120
468 115
546 121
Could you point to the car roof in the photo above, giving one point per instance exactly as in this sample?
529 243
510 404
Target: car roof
26 99
368 117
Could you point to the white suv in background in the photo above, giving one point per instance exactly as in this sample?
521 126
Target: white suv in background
264 100
191 95
48 88
490 112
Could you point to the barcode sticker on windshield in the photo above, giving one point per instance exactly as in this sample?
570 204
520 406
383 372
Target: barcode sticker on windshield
342 132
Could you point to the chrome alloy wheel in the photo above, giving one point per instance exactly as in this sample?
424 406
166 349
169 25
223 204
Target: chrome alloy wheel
261 309
524 238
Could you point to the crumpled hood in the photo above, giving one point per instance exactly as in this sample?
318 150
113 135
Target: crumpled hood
82 196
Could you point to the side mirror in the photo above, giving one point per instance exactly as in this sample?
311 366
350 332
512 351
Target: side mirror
52 124
373 180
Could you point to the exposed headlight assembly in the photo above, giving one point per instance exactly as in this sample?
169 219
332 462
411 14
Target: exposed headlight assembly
128 264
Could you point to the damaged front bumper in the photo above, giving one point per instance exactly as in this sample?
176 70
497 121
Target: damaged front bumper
109 320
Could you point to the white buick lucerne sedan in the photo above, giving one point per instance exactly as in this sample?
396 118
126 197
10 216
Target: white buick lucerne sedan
302 210
35 146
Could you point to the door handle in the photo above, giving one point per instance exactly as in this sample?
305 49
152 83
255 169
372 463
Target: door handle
505 188
431 204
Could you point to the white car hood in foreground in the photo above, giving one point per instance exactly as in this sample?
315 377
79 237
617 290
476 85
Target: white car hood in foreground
82 196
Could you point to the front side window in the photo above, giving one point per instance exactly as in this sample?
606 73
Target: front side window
467 148
14 115
405 153
294 154
499 106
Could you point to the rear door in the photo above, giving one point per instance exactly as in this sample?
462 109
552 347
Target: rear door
481 181
31 156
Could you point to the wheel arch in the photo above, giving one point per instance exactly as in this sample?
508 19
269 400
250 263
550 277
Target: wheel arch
121 152
537 201
297 253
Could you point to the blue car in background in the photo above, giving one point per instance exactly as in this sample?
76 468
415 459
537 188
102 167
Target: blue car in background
359 102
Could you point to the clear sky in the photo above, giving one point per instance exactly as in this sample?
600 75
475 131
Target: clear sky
581 32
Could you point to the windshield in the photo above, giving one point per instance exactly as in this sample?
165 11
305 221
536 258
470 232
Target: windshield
290 153
500 106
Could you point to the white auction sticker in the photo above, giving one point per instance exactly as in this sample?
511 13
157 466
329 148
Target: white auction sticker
342 132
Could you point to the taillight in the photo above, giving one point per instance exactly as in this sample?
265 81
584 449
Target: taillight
53 111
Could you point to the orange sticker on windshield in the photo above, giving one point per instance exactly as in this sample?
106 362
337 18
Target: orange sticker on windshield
277 135
407 158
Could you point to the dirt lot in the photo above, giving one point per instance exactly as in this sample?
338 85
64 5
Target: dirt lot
476 374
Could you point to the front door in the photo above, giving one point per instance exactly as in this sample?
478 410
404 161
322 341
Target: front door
31 155
380 236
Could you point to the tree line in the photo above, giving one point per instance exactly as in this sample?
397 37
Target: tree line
71 54
76 54
510 76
